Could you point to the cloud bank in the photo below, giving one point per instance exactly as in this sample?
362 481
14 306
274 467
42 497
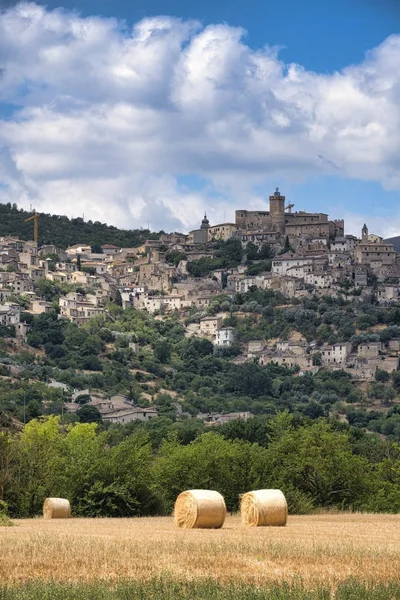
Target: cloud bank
159 122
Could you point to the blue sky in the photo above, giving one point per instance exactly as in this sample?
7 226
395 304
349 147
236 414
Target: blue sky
321 35
194 126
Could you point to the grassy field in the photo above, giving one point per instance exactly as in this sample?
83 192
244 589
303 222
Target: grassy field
357 555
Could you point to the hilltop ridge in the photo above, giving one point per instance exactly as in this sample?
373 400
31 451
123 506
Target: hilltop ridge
63 231
395 241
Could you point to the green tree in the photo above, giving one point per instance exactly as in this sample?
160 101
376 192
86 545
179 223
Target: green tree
319 462
162 351
89 414
118 298
37 455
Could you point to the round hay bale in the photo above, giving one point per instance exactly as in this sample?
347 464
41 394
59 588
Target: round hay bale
263 508
56 508
200 509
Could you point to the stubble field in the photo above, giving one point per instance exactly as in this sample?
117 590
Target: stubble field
319 552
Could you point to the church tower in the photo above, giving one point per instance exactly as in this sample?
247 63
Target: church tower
277 211
364 233
205 224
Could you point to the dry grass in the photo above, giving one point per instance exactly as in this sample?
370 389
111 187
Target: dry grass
321 549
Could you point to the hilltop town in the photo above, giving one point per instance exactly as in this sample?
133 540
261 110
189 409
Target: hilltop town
263 289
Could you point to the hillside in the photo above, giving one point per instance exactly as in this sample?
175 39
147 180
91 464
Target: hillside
395 241
62 231
138 467
168 366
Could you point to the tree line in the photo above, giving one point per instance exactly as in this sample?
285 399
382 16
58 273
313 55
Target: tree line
63 232
319 464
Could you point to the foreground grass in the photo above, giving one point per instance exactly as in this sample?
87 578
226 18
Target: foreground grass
158 589
322 552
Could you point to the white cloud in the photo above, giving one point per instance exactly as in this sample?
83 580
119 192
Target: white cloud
110 121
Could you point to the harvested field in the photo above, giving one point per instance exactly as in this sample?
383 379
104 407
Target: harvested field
317 550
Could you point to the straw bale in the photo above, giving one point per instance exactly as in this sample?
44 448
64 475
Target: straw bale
200 509
264 508
56 508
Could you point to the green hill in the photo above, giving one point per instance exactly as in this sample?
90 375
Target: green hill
62 231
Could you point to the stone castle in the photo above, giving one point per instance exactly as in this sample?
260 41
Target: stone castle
281 220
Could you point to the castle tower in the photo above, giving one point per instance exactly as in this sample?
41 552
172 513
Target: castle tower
364 233
277 210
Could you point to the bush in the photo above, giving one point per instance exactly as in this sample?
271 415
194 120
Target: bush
5 521
382 376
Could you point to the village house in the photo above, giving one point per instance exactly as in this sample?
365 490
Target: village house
9 314
224 231
21 284
233 282
225 337
254 348
336 354
286 359
110 249
394 344
339 244
369 349
387 294
37 307
210 325
217 418
131 414
319 280
5 293
78 309
78 249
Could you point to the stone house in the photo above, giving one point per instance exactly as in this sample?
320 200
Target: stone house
210 325
367 253
78 309
383 363
339 244
318 280
224 231
58 276
290 261
37 307
78 249
233 282
285 359
131 414
387 294
9 314
369 349
110 249
5 293
254 347
394 344
336 354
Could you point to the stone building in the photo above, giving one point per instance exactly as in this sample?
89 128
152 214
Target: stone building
376 252
282 220
225 337
335 354
210 325
369 349
224 232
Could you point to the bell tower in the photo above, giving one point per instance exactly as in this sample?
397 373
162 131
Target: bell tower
277 210
364 233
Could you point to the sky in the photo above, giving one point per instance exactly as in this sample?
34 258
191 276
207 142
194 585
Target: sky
149 112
